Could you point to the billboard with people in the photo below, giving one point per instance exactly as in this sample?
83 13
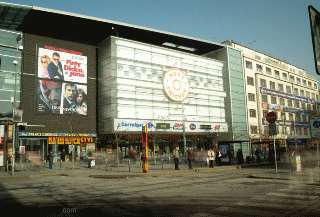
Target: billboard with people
62 64
62 83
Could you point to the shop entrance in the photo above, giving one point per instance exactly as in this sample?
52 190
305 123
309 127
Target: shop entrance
31 149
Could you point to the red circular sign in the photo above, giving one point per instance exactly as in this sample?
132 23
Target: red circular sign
271 117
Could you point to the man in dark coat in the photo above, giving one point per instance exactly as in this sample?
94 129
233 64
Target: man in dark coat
50 160
63 155
240 156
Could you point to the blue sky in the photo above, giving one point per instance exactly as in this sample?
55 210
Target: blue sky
280 28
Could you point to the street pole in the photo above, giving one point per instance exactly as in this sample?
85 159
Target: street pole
14 139
184 133
318 152
275 153
295 132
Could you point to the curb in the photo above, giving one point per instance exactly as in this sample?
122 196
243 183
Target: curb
163 173
32 176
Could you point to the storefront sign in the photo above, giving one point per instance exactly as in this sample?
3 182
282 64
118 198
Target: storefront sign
205 127
163 126
90 147
193 126
287 123
287 109
266 91
124 124
177 127
68 140
176 84
58 134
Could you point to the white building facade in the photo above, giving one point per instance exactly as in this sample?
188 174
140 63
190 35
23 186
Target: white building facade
274 85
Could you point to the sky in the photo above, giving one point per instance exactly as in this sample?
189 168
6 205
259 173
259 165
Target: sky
279 28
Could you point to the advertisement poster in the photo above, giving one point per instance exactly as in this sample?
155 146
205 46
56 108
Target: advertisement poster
62 64
74 99
48 97
54 97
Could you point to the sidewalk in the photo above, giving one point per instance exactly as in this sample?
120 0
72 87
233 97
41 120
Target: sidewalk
263 170
103 171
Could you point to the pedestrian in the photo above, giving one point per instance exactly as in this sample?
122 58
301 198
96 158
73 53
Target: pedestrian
176 158
50 160
63 155
219 155
211 157
239 156
190 156
257 155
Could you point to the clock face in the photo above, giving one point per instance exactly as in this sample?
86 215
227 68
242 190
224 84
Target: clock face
176 84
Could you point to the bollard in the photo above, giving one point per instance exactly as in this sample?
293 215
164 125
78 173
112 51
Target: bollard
44 164
129 166
60 164
162 163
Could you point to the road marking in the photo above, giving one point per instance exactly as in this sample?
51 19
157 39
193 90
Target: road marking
222 208
202 215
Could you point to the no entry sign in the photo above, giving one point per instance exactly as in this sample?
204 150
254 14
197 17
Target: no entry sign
271 117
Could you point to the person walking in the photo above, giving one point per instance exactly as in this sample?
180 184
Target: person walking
176 158
190 156
240 156
219 155
211 157
257 153
50 160
63 155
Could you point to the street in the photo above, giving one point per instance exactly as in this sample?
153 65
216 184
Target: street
225 193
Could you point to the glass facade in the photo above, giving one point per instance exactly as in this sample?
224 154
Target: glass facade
131 90
9 53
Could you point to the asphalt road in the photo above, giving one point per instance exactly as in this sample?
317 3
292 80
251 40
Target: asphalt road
222 193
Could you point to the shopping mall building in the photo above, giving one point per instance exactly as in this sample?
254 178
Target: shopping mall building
94 80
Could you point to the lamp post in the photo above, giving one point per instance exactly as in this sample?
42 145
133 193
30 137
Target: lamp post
184 133
14 136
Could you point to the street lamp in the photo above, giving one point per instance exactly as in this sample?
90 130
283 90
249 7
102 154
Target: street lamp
14 136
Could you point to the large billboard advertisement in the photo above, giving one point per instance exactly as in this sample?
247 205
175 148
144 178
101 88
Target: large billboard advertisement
62 64
55 97
62 83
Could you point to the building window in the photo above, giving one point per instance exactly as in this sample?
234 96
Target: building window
309 84
290 117
292 131
273 100
315 86
248 64
251 97
295 91
304 118
307 94
289 102
252 113
291 78
305 131
313 95
301 92
280 87
264 113
303 105
250 81
272 85
309 107
304 82
282 102
264 98
284 76
298 81
259 68
288 89
263 83
253 129
266 130
299 130
276 74
298 118
268 71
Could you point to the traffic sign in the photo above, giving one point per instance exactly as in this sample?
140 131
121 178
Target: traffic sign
271 117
